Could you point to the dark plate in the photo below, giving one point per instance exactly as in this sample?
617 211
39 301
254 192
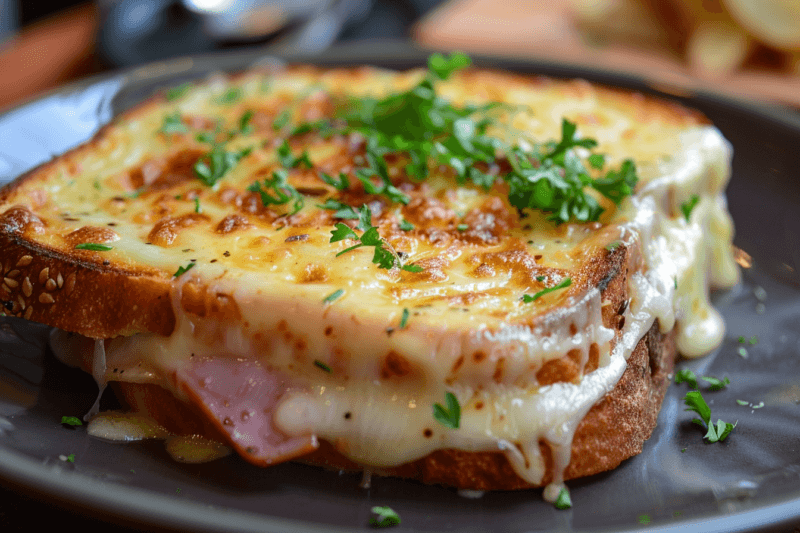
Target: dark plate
749 482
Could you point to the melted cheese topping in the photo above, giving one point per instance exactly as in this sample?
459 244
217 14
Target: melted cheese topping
468 330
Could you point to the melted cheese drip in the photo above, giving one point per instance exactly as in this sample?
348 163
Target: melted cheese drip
389 417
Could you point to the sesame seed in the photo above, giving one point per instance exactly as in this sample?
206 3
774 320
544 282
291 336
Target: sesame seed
50 285
27 288
28 313
11 282
44 274
25 260
46 298
60 280
13 274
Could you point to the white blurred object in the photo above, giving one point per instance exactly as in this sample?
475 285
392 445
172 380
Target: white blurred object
774 22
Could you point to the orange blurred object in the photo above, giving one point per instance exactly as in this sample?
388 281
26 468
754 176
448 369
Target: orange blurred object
47 54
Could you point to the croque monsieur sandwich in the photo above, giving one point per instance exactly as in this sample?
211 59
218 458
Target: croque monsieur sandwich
466 277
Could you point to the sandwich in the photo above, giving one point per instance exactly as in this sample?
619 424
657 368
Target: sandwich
457 275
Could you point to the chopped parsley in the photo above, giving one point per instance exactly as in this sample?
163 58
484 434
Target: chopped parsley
386 517
213 166
716 433
716 384
333 296
290 161
71 458
244 122
322 365
404 318
384 255
197 208
341 184
71 421
742 402
177 92
229 97
563 501
182 270
753 340
451 416
342 209
462 227
613 245
527 298
278 191
93 246
688 206
686 376
742 352
173 124
644 519
405 225
281 120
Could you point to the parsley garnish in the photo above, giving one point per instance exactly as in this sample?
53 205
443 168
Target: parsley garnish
563 501
686 376
322 365
173 124
405 225
613 245
197 208
281 120
71 421
93 246
181 270
462 227
644 519
753 340
333 296
342 184
384 255
716 433
282 191
386 517
289 161
342 209
177 92
244 122
716 384
228 97
450 417
213 166
688 206
404 318
566 282
71 458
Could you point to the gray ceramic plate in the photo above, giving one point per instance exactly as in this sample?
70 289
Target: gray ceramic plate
680 483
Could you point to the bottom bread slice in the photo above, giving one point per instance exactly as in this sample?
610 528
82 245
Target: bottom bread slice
614 429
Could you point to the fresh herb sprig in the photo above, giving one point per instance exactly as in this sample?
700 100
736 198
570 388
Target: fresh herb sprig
213 166
386 517
449 416
384 256
716 432
278 191
566 282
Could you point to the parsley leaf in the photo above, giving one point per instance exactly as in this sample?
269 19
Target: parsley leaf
323 366
342 209
173 124
688 206
451 416
197 208
566 282
404 318
213 166
342 184
716 433
290 161
686 376
93 246
71 458
384 255
282 191
442 67
177 92
716 384
405 225
71 421
181 270
563 501
228 97
386 517
281 120
333 296
244 122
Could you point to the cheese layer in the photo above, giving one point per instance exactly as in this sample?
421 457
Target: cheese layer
352 370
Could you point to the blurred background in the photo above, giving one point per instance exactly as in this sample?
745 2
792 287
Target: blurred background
745 48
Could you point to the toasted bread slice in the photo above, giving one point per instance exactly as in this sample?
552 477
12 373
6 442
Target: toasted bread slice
498 360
